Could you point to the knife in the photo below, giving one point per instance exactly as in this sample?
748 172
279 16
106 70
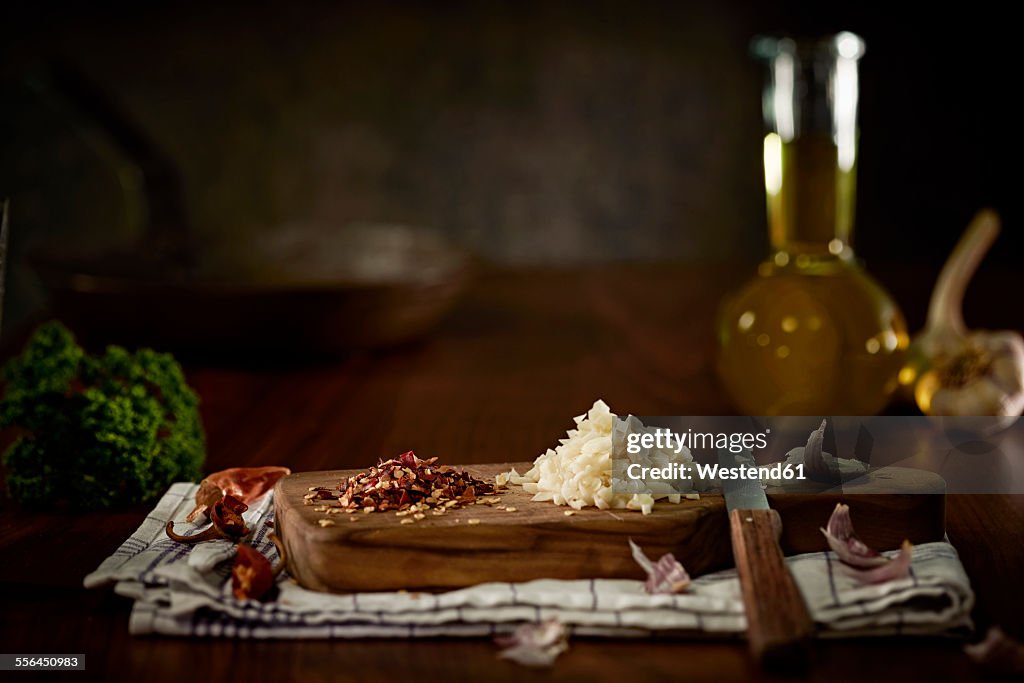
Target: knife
779 627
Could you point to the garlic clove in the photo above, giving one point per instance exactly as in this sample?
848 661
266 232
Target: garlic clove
858 560
893 570
843 540
814 458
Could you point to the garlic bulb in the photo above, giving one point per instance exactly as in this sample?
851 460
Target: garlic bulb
956 371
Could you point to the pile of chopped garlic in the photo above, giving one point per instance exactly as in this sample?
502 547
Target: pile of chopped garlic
578 473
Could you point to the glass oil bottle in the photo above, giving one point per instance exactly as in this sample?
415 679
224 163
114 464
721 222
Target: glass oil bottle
812 333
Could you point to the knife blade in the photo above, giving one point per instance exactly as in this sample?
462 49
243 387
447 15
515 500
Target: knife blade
779 626
741 494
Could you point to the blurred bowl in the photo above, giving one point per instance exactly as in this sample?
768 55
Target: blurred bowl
300 290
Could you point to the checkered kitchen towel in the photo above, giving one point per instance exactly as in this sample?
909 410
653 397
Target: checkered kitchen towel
185 590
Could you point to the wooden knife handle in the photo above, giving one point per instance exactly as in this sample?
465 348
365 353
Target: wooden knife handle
779 627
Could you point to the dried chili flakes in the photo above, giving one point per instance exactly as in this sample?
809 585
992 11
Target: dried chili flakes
408 483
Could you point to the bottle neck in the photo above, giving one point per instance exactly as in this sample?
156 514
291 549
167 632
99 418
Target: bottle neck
810 108
810 192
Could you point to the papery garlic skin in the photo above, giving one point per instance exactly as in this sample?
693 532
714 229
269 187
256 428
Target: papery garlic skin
820 465
535 644
844 542
893 570
998 652
859 561
666 576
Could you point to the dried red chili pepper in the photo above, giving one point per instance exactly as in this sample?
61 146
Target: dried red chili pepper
226 515
246 484
252 576
227 522
405 483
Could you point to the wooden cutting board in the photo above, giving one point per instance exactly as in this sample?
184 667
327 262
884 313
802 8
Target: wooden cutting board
377 552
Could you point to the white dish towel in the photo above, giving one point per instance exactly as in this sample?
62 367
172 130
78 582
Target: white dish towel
184 590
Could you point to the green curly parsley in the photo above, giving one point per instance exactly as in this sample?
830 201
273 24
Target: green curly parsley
97 431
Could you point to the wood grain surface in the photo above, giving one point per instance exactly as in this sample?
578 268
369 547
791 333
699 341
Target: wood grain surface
499 382
365 552
779 627
377 552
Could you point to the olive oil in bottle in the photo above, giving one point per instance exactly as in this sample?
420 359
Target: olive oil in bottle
812 333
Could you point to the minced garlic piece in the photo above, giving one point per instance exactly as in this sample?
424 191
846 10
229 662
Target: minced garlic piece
578 472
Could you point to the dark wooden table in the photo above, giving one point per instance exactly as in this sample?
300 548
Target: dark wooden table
498 382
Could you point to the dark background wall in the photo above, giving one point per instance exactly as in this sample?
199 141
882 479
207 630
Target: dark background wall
534 132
